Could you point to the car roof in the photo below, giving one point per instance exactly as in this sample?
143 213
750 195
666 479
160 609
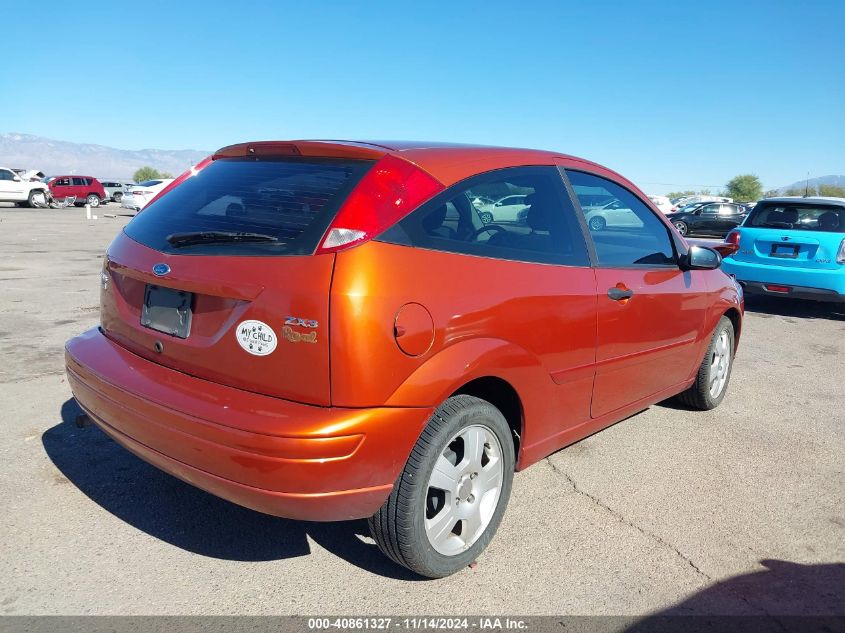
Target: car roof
447 162
810 199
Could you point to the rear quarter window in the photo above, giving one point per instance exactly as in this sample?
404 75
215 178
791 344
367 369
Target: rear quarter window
518 214
292 200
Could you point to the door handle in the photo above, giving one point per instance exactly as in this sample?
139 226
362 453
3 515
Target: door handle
619 294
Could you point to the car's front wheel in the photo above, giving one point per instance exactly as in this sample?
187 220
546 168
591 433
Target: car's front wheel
36 198
449 500
682 227
714 373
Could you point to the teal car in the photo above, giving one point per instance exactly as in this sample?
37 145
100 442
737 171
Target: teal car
791 247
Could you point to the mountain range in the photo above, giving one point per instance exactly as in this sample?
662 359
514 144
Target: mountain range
838 181
25 151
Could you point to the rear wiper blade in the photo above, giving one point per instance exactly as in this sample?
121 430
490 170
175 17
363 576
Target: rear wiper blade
211 237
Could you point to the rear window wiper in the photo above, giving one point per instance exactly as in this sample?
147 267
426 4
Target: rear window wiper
210 237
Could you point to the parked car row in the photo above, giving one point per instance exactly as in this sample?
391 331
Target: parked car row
18 187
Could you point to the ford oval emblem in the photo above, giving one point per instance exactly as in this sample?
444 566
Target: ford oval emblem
159 270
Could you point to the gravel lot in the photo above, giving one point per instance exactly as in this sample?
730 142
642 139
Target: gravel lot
739 510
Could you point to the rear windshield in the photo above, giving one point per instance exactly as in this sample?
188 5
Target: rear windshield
149 183
289 201
798 215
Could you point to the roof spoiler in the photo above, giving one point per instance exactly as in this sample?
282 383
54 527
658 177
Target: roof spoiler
321 149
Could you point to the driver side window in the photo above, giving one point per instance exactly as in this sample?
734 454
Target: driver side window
535 221
625 232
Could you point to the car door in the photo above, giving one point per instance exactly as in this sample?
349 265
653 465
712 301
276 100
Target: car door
79 187
708 218
60 188
10 189
649 311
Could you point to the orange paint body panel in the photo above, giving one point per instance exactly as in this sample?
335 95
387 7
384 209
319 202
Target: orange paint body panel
522 322
226 291
240 445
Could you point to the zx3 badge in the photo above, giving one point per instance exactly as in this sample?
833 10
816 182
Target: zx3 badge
301 322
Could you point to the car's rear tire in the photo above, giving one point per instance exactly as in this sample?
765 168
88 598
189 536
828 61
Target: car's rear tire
92 200
486 217
714 373
682 227
117 197
439 520
598 223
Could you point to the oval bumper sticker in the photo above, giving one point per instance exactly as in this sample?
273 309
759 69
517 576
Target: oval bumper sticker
256 337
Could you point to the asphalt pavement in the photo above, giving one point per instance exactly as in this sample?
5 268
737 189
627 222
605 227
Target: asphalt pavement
733 511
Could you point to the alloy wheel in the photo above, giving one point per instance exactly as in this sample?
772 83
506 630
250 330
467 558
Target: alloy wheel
720 363
463 490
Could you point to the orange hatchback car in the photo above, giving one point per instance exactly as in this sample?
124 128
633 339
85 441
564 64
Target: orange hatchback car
327 330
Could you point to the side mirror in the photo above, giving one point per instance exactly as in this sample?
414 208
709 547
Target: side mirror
700 258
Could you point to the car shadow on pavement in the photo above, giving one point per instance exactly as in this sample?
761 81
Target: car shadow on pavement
797 308
779 592
191 519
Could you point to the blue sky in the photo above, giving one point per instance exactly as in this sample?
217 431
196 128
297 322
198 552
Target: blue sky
672 94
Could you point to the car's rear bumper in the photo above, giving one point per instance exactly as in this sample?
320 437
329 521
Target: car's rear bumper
817 284
271 455
791 292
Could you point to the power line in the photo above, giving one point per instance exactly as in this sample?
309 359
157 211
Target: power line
676 184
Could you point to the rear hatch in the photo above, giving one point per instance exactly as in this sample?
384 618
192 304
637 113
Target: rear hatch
793 235
217 278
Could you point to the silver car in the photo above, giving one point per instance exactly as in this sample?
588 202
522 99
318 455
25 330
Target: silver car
115 189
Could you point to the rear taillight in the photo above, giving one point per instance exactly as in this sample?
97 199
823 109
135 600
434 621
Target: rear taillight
733 238
840 256
386 194
141 193
776 288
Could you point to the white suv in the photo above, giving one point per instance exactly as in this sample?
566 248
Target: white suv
13 188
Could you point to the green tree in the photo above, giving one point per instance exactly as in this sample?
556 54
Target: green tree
744 188
149 173
831 190
679 194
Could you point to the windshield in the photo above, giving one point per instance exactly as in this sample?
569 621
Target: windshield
288 202
806 216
